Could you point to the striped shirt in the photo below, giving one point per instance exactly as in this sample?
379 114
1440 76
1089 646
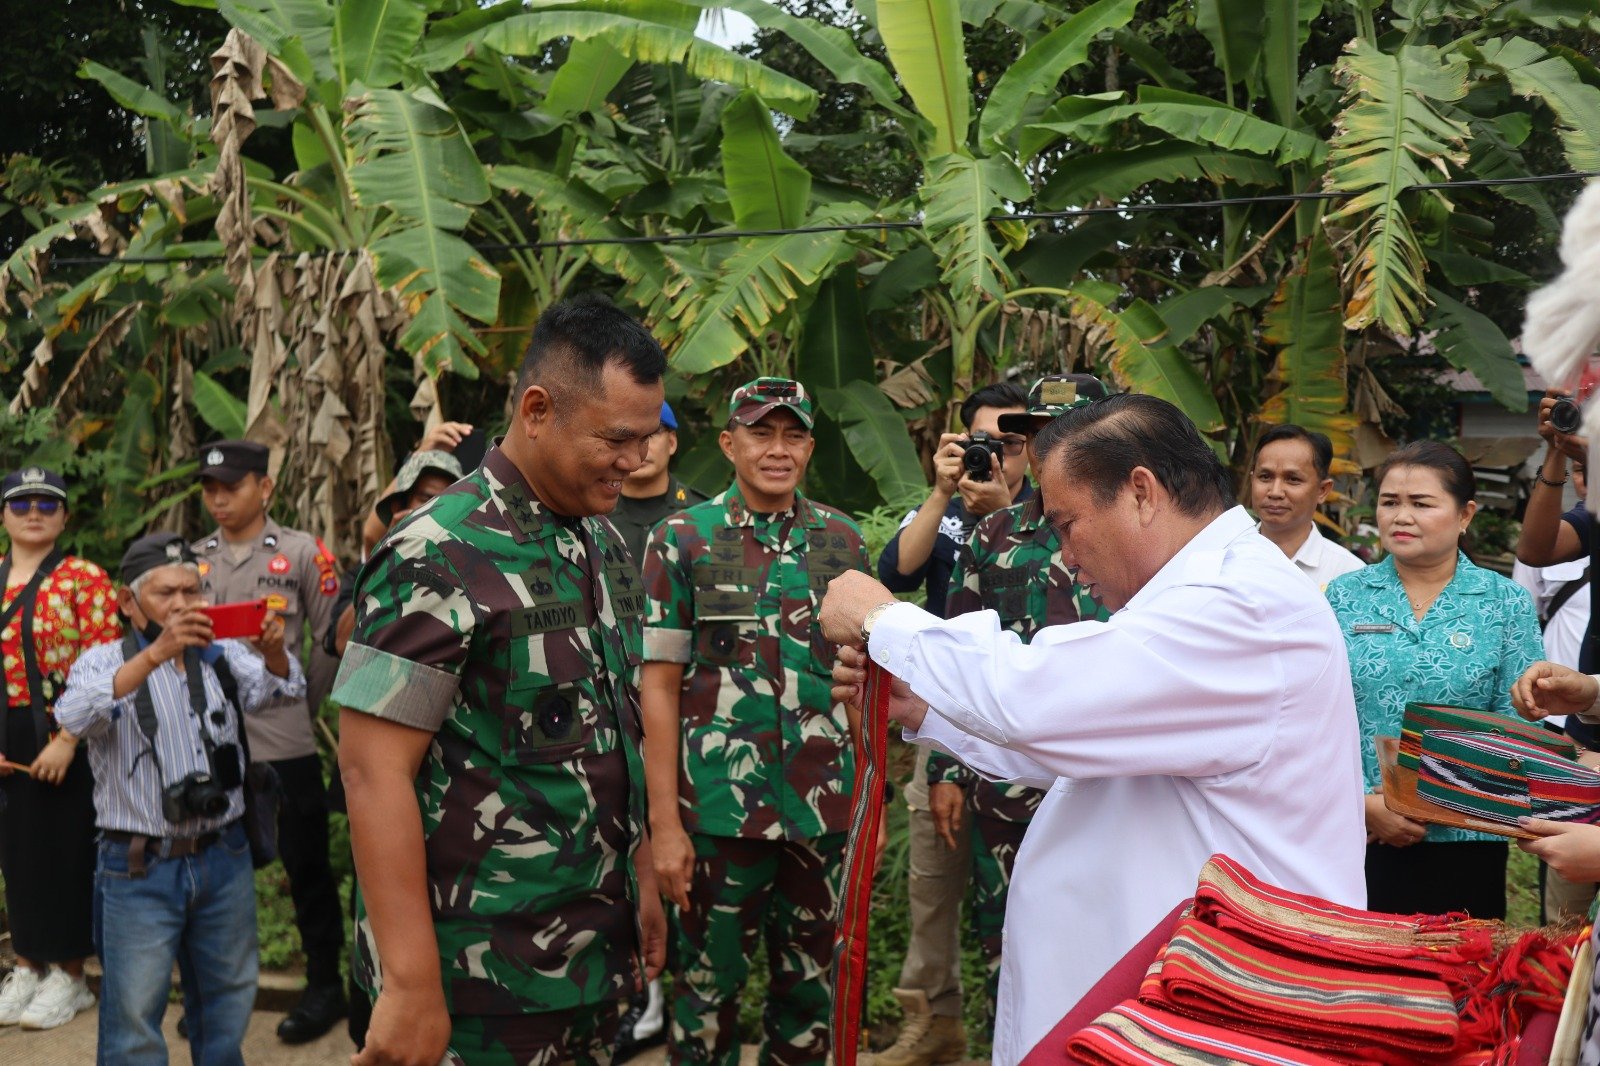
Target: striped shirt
127 785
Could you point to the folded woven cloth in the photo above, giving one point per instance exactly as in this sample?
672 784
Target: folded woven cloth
1420 717
1453 949
1136 1034
1503 778
1329 1006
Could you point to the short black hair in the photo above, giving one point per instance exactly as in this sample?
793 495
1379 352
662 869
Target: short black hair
574 340
1453 469
1321 446
1103 441
1000 394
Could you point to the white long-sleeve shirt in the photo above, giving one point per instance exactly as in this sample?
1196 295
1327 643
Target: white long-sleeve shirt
1212 714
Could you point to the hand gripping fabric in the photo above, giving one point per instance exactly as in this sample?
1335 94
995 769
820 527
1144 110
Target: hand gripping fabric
1501 779
855 897
1420 717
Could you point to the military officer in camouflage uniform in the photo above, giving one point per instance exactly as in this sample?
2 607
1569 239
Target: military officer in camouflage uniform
1011 564
491 731
250 557
749 758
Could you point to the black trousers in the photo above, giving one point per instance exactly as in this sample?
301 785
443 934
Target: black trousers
303 847
47 850
1437 878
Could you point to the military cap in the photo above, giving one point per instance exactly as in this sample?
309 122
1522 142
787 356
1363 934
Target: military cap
668 419
152 552
230 460
1050 396
417 464
754 400
33 481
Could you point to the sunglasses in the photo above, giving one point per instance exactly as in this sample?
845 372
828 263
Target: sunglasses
34 503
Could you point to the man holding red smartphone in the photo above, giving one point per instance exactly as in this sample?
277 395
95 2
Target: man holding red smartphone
249 557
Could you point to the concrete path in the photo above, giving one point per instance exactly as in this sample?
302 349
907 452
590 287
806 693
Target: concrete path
73 1044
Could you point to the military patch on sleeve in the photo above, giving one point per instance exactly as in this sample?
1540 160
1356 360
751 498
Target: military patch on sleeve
419 572
327 569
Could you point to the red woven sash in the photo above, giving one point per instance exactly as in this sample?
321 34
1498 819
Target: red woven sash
861 851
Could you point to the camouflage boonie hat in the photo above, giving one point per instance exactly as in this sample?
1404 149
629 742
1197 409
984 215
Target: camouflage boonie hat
413 468
754 400
1050 396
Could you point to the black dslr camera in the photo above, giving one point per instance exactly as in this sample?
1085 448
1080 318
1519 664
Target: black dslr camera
976 452
197 796
203 795
1566 416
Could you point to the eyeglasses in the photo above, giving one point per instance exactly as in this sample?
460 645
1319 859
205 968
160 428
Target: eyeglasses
1013 445
23 505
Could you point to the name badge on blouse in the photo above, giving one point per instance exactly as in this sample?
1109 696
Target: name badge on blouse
1386 627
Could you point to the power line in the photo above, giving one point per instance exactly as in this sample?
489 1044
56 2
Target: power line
881 226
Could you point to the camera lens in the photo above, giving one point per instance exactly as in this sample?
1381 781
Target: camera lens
1566 416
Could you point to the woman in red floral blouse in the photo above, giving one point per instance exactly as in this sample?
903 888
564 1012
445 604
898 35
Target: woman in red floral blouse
52 607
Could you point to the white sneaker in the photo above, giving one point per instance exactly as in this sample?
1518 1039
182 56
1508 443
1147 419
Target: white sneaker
17 991
61 996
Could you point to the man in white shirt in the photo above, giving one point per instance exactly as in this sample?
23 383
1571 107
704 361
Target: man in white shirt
1288 482
1212 713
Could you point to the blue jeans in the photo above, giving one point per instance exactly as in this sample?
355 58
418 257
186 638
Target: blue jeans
198 911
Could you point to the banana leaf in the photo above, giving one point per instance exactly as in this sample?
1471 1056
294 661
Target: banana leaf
1305 323
958 197
766 188
753 288
877 437
1038 71
1471 341
373 40
1111 175
415 159
1142 357
925 43
1392 128
1535 73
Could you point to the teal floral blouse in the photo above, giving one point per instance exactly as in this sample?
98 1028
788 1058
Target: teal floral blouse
1476 639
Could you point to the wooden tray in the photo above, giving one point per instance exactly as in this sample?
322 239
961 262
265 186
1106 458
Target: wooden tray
1400 796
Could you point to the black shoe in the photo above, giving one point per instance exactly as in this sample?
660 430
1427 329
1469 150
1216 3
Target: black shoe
643 1025
320 1007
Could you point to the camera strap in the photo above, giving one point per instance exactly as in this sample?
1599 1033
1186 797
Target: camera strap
144 703
24 605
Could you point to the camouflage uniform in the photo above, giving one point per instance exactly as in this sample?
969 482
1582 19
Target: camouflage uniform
765 768
1011 564
514 635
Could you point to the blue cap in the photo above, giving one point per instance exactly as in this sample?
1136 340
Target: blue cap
668 419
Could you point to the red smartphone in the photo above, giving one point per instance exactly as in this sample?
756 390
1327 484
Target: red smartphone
237 619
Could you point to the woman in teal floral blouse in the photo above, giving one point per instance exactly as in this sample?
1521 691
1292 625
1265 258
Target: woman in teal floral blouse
1426 624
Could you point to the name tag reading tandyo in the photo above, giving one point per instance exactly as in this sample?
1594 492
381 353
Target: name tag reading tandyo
546 617
1385 627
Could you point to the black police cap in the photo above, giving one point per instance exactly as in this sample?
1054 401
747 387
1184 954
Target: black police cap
230 460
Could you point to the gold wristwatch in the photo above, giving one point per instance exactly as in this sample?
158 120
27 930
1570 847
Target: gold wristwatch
872 618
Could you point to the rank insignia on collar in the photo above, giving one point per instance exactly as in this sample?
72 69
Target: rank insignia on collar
270 540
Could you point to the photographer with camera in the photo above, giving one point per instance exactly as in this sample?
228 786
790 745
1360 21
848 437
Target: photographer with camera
1550 537
161 713
923 554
